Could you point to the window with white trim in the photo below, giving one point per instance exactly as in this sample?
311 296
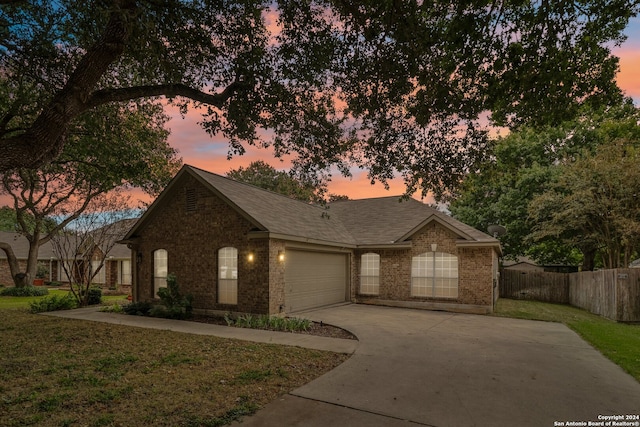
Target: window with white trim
160 270
99 267
370 274
434 274
228 276
125 272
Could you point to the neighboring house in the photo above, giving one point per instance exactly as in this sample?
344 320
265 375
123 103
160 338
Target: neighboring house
236 247
635 263
20 246
115 273
527 264
522 264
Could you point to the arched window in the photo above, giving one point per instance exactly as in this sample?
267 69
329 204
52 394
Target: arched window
160 270
228 276
370 274
434 274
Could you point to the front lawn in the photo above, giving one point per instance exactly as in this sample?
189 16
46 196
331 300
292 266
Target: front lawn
23 302
64 372
619 342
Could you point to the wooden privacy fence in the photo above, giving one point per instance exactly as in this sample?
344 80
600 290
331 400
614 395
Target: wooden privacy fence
614 294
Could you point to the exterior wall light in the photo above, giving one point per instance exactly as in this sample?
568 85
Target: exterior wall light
250 257
281 256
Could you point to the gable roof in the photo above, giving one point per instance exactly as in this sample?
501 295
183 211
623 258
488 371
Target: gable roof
387 220
379 221
276 213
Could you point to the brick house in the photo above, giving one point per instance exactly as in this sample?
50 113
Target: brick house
116 272
238 248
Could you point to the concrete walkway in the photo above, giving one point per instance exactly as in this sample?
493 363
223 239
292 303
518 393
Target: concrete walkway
414 367
283 338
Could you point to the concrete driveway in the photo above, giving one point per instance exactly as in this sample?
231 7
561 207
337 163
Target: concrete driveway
441 369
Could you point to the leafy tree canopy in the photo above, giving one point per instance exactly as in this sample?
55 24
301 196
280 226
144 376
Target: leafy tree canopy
9 220
527 163
94 162
391 87
265 176
593 205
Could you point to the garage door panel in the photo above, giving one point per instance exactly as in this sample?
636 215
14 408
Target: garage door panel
314 279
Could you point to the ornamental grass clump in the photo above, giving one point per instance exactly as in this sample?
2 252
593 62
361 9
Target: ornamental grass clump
273 323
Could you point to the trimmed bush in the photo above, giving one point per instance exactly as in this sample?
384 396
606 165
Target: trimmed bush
53 303
25 291
95 296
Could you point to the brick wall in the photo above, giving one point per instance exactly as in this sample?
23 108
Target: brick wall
475 269
5 273
192 236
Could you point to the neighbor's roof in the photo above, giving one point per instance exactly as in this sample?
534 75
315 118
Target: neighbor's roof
20 246
378 221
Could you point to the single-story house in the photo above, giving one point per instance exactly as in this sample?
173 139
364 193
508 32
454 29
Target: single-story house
116 272
238 248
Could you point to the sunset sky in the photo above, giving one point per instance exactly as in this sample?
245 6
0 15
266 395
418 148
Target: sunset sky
198 149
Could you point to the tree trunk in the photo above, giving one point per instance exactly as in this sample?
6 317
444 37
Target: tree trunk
19 279
588 260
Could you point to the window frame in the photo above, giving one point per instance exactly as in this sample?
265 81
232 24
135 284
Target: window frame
435 275
125 279
227 266
160 281
369 274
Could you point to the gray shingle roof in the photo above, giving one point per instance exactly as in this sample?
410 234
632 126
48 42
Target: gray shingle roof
390 220
20 246
277 213
378 221
373 221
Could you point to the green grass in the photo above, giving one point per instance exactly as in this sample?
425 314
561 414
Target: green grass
23 302
619 342
64 372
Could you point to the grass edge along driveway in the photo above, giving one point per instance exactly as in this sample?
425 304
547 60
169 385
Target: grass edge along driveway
63 372
619 342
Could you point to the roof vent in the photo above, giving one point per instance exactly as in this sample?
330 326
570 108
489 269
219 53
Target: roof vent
191 199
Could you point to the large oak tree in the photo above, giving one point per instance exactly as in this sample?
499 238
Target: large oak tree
394 87
119 148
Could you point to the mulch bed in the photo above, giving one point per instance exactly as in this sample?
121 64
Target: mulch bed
319 329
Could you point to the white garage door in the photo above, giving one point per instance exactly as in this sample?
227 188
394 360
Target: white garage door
314 279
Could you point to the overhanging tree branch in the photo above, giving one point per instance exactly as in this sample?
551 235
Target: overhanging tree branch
46 138
169 90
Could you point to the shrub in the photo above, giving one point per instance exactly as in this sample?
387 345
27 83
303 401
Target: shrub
174 304
140 308
53 303
25 291
95 296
